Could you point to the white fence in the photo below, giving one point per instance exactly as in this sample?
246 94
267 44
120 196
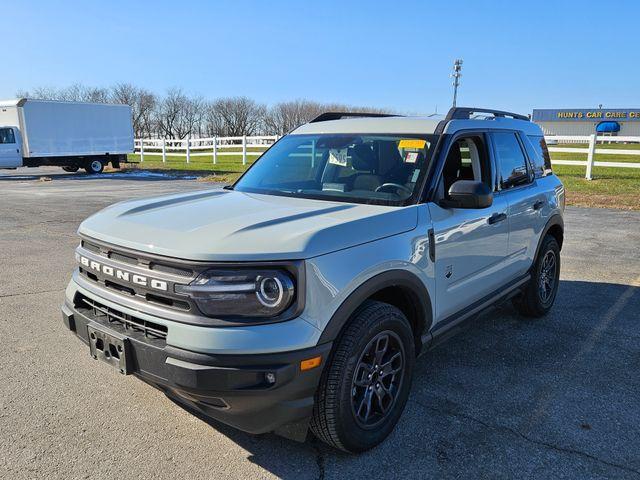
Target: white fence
239 146
204 147
555 145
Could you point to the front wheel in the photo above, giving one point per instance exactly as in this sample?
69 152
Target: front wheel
364 388
95 166
540 293
70 169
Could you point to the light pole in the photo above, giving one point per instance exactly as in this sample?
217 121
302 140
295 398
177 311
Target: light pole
457 73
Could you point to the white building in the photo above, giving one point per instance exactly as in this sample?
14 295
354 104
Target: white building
582 121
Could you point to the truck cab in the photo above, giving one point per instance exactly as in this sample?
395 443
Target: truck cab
10 145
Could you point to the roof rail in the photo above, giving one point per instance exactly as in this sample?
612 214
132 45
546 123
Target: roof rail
323 117
464 113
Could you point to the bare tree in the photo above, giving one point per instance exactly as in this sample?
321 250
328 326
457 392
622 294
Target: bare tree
189 121
95 95
142 103
43 93
340 107
234 117
213 121
285 116
73 93
177 115
167 112
148 104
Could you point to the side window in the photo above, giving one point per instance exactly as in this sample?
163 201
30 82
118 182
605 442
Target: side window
7 136
467 159
512 162
539 153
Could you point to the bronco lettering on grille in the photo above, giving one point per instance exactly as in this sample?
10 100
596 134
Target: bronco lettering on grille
123 275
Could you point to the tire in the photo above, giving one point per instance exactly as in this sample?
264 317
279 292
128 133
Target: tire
70 169
340 417
538 296
94 167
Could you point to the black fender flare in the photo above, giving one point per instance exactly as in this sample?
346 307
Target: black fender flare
556 219
410 282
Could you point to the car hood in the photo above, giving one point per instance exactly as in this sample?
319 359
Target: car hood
223 225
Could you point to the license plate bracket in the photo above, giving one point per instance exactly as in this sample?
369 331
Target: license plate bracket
109 347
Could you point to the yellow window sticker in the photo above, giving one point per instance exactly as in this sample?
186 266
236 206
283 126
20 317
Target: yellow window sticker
412 143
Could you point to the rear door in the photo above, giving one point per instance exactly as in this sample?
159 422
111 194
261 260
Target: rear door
9 148
517 185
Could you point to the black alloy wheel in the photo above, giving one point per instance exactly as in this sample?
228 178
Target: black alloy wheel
377 379
539 294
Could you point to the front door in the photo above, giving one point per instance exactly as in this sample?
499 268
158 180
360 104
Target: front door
9 148
470 244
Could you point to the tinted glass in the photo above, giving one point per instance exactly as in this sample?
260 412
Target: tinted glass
6 135
513 167
466 160
381 169
540 157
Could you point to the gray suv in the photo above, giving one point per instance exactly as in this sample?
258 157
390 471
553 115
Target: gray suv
299 297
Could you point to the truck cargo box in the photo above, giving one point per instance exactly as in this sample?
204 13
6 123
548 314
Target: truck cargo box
64 129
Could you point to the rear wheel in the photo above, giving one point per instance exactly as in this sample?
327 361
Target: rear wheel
364 389
538 297
70 169
94 166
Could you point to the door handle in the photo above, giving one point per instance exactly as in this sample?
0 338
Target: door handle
538 205
497 217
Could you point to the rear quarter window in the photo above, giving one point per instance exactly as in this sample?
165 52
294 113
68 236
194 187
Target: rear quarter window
539 154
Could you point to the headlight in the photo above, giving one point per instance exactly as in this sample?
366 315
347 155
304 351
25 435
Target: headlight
241 293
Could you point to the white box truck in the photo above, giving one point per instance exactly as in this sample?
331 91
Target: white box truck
71 135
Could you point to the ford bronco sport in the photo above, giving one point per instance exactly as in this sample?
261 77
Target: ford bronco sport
299 297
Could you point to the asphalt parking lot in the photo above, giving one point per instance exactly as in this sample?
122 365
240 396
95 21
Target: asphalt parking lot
507 398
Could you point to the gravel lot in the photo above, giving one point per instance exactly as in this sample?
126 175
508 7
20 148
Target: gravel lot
553 398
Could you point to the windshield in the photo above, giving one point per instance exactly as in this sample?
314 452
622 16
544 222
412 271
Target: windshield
383 169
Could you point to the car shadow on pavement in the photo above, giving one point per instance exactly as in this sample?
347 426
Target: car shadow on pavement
506 397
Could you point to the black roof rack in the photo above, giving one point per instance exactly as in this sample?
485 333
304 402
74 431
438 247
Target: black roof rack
323 117
464 113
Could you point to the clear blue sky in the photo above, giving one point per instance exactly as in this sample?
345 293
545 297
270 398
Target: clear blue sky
517 55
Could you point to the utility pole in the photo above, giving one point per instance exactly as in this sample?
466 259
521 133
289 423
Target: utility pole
457 73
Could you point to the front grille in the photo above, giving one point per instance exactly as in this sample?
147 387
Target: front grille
133 260
182 272
115 318
130 292
90 246
119 257
168 271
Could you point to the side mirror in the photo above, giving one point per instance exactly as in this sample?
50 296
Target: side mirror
468 194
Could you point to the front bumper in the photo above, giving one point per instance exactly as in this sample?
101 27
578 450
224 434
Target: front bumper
233 389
